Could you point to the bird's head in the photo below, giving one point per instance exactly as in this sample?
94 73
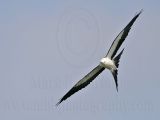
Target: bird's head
103 60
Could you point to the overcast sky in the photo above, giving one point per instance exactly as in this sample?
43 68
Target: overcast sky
47 46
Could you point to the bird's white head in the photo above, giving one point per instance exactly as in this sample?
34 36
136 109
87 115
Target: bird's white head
103 60
107 63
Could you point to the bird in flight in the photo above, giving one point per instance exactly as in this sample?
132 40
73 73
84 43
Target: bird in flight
110 62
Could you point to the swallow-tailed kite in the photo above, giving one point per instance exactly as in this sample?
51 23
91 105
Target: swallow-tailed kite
109 61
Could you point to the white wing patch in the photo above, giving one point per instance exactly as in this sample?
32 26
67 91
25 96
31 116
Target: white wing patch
118 38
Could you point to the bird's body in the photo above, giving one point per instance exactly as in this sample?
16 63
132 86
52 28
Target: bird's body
110 62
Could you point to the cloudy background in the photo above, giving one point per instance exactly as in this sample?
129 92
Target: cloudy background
47 46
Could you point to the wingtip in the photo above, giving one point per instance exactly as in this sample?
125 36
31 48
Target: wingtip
138 13
58 103
141 11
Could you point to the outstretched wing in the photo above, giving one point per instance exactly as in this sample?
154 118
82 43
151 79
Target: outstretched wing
83 82
121 37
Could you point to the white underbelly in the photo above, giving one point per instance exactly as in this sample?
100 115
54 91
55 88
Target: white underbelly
107 63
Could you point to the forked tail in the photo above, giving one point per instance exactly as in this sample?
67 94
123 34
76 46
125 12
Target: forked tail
117 58
115 72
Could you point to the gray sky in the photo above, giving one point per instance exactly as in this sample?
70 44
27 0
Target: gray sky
47 46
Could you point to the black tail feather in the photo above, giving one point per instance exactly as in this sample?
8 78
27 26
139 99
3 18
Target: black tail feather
115 72
117 58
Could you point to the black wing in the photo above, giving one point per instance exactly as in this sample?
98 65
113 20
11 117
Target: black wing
83 82
121 37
